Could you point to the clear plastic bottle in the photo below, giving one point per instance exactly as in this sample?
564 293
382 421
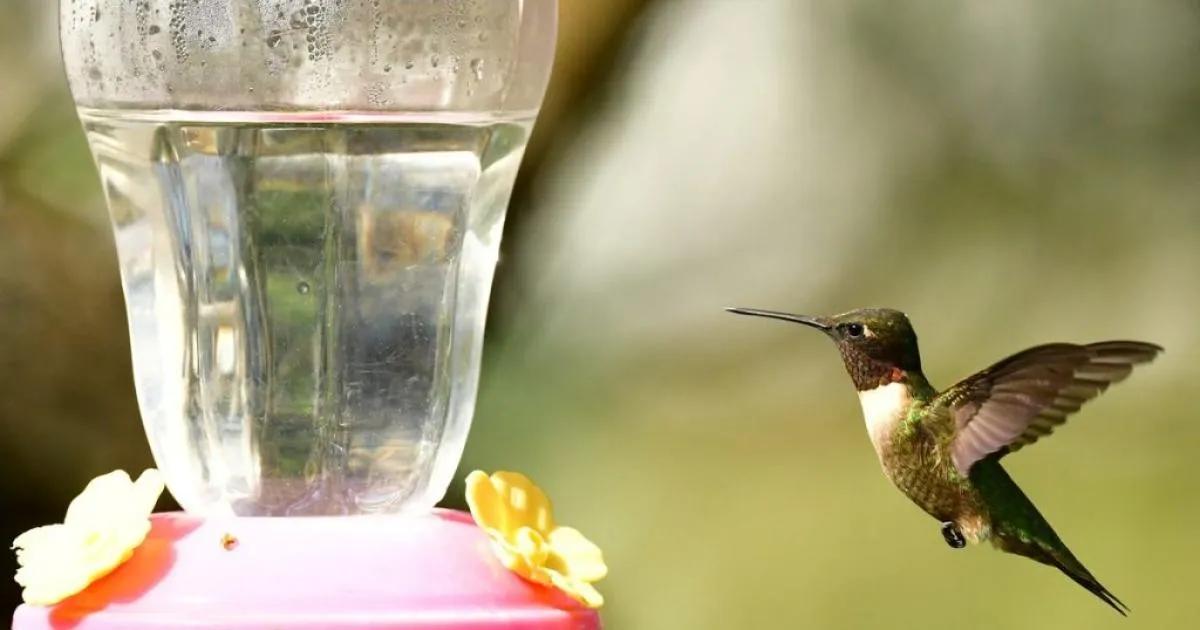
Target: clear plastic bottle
307 199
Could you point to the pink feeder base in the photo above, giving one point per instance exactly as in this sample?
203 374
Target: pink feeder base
429 571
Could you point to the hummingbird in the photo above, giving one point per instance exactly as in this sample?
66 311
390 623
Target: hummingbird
942 449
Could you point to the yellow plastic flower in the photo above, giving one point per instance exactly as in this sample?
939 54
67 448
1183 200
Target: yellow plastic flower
517 516
104 524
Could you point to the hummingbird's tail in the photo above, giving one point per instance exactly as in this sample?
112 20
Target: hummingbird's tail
1018 527
1057 555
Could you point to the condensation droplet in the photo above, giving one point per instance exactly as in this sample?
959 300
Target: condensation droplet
477 68
154 29
434 60
302 288
408 65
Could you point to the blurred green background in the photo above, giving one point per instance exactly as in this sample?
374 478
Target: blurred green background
1008 173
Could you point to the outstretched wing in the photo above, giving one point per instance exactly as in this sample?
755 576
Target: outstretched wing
1022 398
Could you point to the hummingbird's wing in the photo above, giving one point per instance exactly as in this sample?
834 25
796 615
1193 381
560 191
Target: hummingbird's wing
1021 398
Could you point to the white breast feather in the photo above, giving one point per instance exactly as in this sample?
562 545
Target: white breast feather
883 408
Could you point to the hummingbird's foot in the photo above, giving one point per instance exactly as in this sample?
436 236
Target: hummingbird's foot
953 536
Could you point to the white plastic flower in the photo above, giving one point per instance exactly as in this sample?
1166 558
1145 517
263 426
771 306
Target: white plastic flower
104 524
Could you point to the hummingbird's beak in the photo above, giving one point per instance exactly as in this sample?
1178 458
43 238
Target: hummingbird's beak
820 323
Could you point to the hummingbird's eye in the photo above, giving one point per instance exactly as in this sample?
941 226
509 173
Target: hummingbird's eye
854 330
